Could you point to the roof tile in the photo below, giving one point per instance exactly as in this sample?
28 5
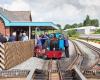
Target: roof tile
16 16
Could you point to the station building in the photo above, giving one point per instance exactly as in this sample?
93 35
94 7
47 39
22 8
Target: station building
18 21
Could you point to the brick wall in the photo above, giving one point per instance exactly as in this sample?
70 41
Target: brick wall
3 29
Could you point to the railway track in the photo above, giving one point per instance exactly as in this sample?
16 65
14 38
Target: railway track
57 73
89 72
63 71
97 50
75 58
60 69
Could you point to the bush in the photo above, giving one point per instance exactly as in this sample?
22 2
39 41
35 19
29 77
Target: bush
72 33
97 31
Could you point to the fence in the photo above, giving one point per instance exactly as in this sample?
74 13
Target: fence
14 53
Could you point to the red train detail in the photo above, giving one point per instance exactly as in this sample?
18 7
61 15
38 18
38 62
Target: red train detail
49 54
54 54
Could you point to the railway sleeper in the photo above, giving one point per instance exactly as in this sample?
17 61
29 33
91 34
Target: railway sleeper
40 75
67 78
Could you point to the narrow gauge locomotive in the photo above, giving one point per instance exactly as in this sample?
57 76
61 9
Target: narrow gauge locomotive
52 48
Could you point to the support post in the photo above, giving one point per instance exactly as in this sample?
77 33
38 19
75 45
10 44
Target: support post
29 32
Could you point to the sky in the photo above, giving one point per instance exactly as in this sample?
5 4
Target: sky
58 11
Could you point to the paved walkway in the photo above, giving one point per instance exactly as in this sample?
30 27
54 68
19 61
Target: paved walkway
31 63
71 48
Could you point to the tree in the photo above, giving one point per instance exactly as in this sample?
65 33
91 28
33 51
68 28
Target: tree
80 25
74 25
87 21
95 22
67 26
60 29
59 26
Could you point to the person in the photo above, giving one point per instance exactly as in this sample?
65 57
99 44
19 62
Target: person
7 37
61 42
2 38
53 43
12 37
33 36
39 43
20 36
46 35
38 46
44 39
24 37
66 44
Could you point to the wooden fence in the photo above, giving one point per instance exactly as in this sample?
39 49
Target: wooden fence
14 53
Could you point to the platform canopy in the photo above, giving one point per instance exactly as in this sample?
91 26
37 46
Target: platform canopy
41 25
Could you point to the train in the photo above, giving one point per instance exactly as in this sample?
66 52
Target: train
53 47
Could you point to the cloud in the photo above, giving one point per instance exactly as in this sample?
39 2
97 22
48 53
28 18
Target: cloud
90 2
17 5
58 11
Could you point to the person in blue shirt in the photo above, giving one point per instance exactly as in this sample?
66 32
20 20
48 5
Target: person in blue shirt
12 37
39 43
44 38
66 44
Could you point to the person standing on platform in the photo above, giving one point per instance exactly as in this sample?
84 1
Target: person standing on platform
24 37
7 37
66 44
2 38
54 43
12 37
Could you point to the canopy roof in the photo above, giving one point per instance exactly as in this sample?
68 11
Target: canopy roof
9 23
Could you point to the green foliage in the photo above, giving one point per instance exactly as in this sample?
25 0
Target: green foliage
67 26
97 31
90 22
72 33
86 22
95 22
80 25
59 26
60 29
